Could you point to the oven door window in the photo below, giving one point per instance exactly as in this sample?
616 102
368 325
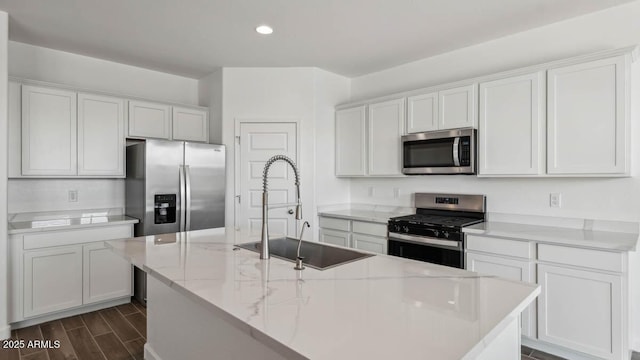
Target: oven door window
426 253
428 153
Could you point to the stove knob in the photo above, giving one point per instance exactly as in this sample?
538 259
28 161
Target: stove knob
436 233
405 229
446 234
397 228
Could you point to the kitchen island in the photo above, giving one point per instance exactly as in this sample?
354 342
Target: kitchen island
209 299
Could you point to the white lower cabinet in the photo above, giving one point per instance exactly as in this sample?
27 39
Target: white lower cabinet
512 269
335 237
106 275
362 235
55 271
52 280
581 310
582 306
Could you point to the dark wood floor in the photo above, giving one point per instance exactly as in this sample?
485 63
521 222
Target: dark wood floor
115 333
530 354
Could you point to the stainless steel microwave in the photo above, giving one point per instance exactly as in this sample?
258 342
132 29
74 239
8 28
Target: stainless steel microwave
439 152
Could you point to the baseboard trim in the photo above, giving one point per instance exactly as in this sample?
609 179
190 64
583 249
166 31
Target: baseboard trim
149 354
67 313
5 332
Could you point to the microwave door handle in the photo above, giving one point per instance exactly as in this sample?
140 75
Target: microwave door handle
456 155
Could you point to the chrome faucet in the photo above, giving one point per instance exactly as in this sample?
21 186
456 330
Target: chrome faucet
264 240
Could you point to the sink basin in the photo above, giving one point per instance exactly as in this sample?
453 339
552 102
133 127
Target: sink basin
316 255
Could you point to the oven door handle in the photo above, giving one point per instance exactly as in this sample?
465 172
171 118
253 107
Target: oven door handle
448 244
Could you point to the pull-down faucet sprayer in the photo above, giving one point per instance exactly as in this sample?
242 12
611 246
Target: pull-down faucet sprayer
264 240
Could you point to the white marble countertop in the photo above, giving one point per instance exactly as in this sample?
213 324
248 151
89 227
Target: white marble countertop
66 220
596 239
381 307
377 216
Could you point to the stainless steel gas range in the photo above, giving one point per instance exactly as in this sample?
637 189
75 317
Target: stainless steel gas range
434 233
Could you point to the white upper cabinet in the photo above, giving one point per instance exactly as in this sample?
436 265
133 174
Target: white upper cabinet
190 124
149 120
100 135
386 120
511 125
48 131
458 107
14 104
351 141
422 112
587 118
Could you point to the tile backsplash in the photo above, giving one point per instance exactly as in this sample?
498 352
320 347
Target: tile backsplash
37 195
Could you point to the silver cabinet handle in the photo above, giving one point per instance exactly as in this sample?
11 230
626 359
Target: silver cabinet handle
188 197
183 201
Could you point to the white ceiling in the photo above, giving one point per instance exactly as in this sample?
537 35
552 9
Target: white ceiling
348 37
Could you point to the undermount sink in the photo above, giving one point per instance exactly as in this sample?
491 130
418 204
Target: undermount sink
316 255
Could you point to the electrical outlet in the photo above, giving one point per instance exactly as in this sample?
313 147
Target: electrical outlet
73 195
370 192
555 200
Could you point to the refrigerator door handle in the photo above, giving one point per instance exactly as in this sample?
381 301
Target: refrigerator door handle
183 201
188 197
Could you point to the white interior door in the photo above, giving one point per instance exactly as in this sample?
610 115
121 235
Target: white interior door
259 141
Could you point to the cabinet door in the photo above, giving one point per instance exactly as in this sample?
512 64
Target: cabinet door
350 142
106 275
48 131
386 123
587 118
149 120
511 125
581 310
422 113
508 269
52 280
370 243
14 104
190 124
335 237
100 135
458 107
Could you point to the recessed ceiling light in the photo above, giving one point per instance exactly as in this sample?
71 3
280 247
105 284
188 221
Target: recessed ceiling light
264 30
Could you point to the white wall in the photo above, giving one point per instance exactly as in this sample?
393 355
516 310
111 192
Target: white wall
35 195
585 198
283 93
210 94
5 331
607 29
39 63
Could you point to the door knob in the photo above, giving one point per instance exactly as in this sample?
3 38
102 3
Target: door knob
290 211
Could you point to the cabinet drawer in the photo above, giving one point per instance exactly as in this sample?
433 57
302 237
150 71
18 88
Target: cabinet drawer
370 228
370 243
522 249
602 260
58 238
337 224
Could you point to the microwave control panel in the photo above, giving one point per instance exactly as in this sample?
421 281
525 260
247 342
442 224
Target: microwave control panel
465 151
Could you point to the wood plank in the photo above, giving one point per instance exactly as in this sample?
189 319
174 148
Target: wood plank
139 322
136 348
54 331
120 326
112 348
9 354
73 322
140 307
84 345
96 324
27 334
40 355
126 309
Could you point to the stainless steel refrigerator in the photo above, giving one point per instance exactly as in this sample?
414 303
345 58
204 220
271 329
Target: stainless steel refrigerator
173 186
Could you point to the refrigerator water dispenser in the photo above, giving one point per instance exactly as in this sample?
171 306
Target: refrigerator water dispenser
165 208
